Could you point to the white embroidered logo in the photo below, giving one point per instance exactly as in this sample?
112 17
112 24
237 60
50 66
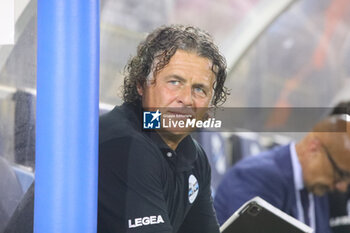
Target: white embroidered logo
137 222
193 188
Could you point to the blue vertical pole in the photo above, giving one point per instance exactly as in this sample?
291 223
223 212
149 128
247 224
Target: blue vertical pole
67 116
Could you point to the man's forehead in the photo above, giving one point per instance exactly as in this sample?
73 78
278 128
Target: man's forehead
182 60
183 55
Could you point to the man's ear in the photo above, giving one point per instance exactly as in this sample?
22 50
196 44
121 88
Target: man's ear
139 89
315 146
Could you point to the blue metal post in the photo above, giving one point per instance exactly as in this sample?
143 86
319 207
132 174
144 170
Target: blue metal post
67 116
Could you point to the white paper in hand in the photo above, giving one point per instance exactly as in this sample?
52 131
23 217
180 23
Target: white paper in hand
258 216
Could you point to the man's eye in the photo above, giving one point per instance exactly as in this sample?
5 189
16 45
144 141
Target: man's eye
174 82
199 90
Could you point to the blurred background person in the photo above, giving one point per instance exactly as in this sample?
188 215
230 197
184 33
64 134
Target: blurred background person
293 178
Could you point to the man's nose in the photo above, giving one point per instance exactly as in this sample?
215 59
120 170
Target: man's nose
185 96
342 186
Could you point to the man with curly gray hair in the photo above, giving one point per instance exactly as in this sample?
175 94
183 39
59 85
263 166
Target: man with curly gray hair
158 180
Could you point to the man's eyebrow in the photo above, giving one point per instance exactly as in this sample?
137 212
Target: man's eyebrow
179 78
175 76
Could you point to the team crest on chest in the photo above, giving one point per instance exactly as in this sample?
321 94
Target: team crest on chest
193 188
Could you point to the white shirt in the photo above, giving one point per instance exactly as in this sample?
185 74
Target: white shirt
299 185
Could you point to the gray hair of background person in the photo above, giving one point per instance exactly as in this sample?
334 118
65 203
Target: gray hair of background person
341 108
155 52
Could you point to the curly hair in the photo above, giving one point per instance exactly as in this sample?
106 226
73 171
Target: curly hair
160 45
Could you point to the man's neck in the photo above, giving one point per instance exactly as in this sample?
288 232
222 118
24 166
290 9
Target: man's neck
172 140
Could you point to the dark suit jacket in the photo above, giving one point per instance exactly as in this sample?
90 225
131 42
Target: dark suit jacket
270 176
